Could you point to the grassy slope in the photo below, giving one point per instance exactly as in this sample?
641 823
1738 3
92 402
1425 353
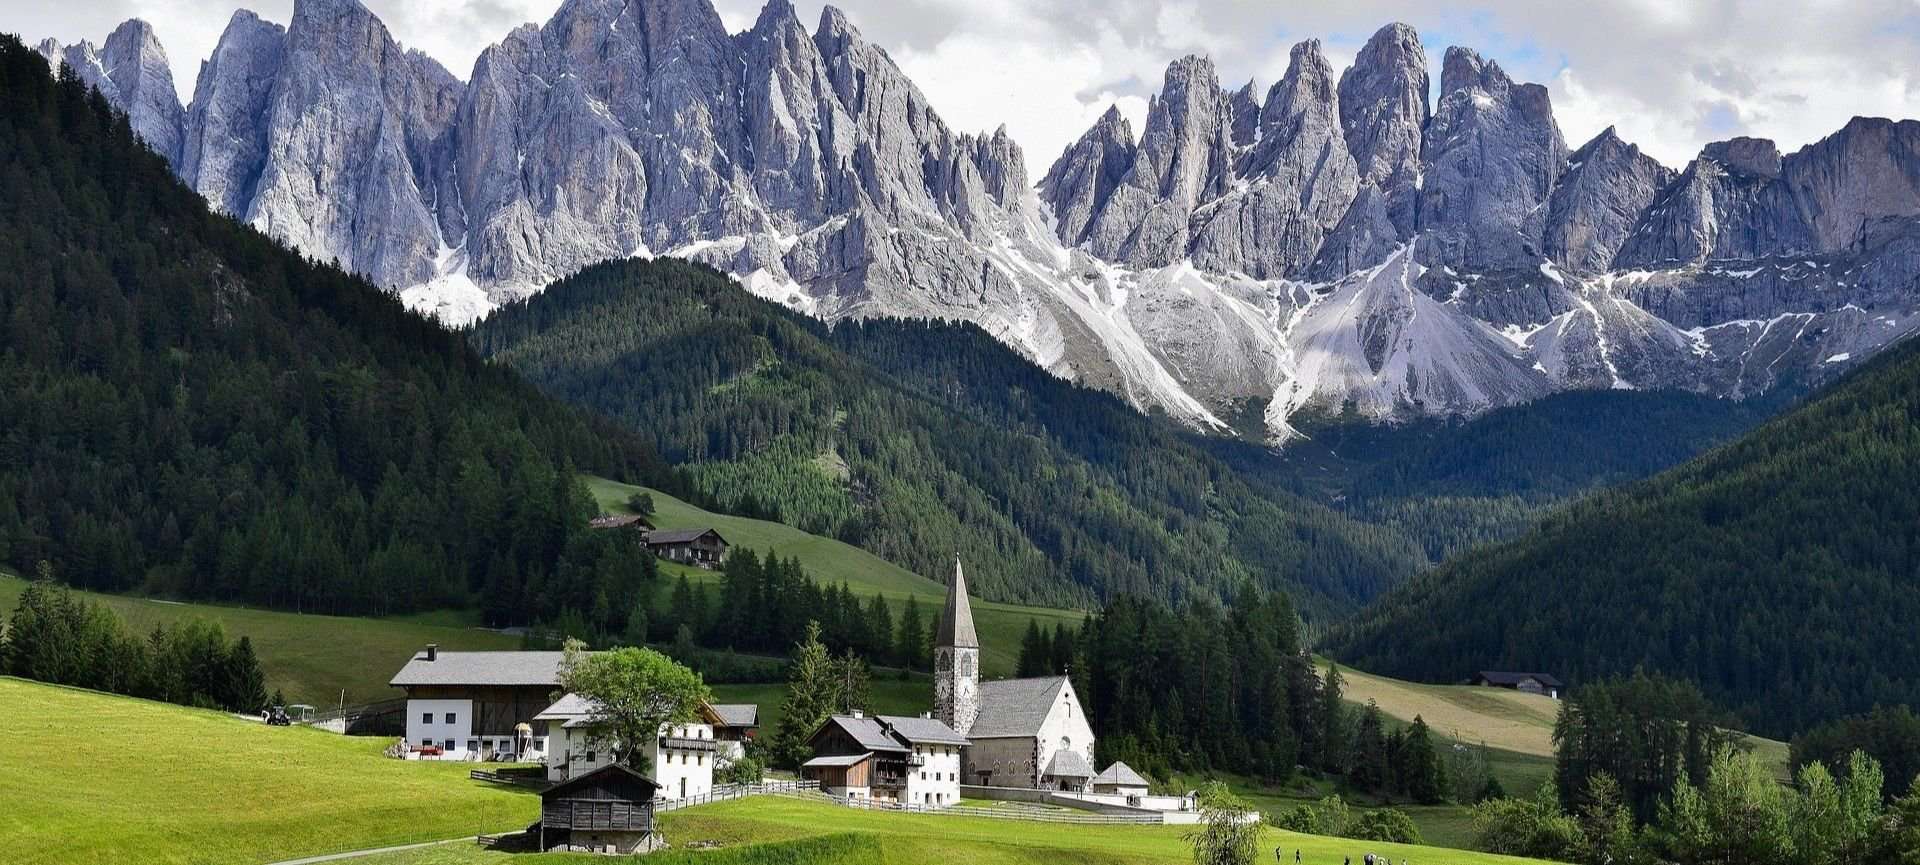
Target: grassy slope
1001 626
310 658
908 838
91 778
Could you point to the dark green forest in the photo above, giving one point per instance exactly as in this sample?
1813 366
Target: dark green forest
1778 572
919 439
193 409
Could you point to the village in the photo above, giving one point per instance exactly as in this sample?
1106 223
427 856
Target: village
1014 740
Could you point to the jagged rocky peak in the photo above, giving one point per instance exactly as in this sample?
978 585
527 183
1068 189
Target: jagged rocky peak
1383 102
1475 211
1292 187
1184 158
1001 165
1244 107
225 141
1756 157
132 72
1598 201
1076 187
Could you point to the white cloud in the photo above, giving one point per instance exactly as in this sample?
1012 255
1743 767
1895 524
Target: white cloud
1671 74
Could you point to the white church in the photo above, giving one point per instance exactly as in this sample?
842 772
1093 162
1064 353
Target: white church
1020 732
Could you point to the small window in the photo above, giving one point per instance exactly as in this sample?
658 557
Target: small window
450 745
426 743
426 717
473 744
700 760
589 756
449 717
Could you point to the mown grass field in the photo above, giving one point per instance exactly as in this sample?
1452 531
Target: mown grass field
95 778
1000 625
767 830
310 658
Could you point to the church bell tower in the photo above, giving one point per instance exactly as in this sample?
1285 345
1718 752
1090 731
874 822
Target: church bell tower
956 660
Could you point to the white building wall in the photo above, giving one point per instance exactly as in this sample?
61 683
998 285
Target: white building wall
427 723
1066 727
936 782
683 773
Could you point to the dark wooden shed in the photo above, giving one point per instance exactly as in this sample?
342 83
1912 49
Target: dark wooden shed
608 810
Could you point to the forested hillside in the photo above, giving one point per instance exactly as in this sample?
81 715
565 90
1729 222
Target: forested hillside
917 440
190 408
1781 572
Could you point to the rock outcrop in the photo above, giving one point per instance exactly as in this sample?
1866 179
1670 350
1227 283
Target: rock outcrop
131 71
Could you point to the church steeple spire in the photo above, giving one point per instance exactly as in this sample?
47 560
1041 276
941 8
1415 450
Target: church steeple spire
956 659
956 621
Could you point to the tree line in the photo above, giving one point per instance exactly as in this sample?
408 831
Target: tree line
58 637
193 409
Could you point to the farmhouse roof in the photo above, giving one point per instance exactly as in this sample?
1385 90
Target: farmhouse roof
1015 707
737 714
1120 775
680 536
1499 678
1068 763
578 711
481 668
922 731
865 731
956 620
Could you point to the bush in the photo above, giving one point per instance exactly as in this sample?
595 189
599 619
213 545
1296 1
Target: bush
1330 817
1386 824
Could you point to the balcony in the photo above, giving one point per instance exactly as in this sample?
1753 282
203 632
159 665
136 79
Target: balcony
685 743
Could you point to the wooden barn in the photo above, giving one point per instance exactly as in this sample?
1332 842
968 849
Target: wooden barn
608 810
1526 683
698 547
630 522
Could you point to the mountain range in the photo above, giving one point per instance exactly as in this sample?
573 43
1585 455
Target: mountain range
1341 242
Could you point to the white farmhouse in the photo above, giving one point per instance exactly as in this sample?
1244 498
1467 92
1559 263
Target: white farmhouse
891 758
478 705
682 759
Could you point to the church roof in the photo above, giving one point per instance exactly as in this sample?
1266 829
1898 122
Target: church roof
1015 707
922 731
1120 775
956 621
1068 763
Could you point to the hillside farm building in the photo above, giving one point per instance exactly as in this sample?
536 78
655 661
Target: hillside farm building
630 522
909 761
478 705
608 810
702 548
1526 683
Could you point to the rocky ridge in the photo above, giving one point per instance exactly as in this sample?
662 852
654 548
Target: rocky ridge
1333 243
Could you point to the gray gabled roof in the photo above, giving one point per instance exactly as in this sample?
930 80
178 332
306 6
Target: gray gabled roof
956 619
838 760
1120 775
737 714
1015 707
680 536
481 668
866 731
1068 763
923 731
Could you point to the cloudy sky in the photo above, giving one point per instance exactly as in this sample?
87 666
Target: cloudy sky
1671 74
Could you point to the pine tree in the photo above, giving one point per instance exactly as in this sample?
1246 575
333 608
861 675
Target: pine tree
1424 781
811 694
910 645
855 683
247 685
1034 652
1332 716
1062 659
1370 770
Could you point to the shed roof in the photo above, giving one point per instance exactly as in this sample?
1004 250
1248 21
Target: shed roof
619 521
838 760
1120 775
1500 678
559 790
481 668
1015 707
1067 763
680 536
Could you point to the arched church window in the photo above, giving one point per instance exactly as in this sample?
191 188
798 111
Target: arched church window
966 665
